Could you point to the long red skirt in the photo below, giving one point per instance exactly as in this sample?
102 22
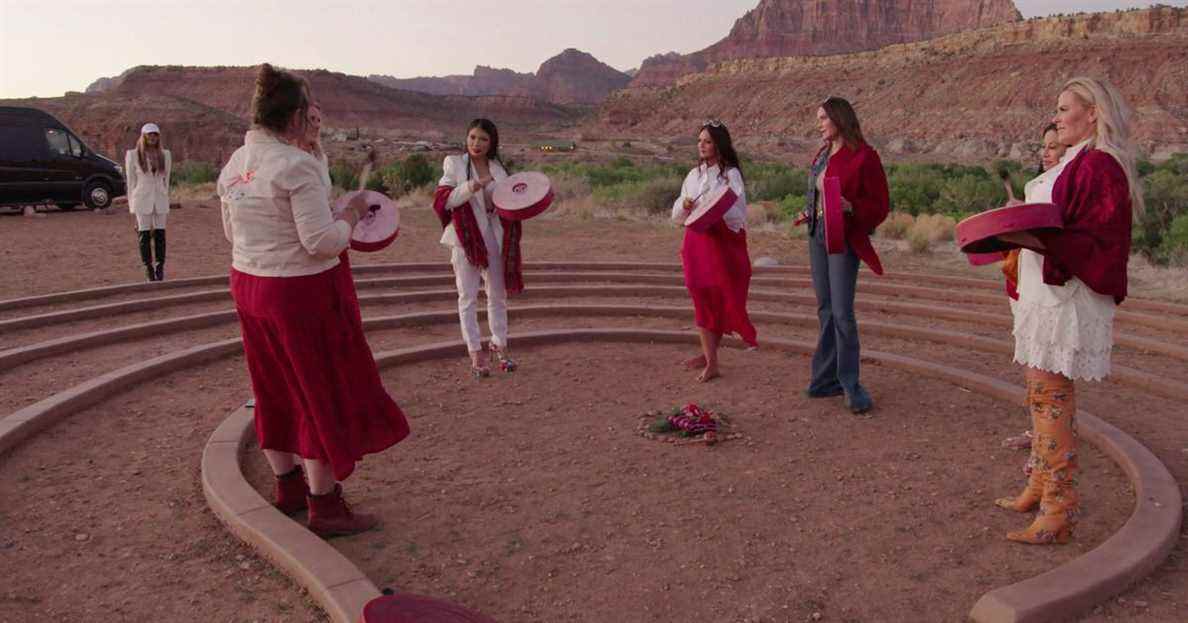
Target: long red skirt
318 391
718 276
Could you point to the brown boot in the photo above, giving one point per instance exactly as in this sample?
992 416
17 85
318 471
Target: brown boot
1037 469
291 491
1056 444
330 516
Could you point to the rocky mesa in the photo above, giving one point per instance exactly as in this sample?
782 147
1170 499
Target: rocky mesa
572 77
980 94
778 28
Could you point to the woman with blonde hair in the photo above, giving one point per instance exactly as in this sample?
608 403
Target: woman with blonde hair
148 168
1070 282
320 402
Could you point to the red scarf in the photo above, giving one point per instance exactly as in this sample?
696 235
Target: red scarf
471 238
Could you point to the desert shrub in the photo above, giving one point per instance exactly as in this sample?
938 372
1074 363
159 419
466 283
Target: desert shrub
191 172
970 193
774 182
897 225
414 171
919 239
656 196
1166 198
1175 243
344 175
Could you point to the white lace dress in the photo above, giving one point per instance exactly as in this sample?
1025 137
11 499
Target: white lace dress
1065 329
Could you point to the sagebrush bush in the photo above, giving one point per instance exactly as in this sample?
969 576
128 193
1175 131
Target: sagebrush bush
919 239
896 226
192 172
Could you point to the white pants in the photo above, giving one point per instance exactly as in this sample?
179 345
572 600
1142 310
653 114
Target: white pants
152 220
467 277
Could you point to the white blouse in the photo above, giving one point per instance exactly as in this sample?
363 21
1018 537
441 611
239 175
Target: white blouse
276 210
704 180
454 170
1062 329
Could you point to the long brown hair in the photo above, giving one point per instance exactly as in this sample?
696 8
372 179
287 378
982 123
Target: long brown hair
278 95
151 159
727 156
842 114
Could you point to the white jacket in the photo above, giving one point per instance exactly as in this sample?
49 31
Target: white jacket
454 174
276 210
147 194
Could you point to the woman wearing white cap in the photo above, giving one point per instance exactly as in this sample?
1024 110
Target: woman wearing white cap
147 168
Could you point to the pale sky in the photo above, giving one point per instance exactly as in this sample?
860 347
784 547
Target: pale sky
48 47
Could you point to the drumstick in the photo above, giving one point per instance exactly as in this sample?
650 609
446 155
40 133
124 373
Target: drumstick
1006 181
366 172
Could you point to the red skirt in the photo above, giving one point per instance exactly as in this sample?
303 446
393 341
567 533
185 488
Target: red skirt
718 276
318 391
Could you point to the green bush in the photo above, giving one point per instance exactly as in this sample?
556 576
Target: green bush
411 173
193 172
774 182
344 175
1166 198
1175 243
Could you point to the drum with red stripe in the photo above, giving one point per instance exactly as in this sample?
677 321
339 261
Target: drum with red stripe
378 227
979 233
710 208
523 195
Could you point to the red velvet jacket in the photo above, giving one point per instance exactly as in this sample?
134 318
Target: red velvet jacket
864 185
1094 245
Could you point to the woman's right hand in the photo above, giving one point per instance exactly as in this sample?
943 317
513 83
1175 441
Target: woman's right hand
1012 202
688 205
356 209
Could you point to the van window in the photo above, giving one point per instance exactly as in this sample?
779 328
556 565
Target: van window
20 143
59 145
75 146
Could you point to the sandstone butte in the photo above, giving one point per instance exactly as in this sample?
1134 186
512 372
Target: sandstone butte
778 28
572 77
969 96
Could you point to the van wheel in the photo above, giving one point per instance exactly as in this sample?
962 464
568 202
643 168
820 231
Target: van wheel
97 195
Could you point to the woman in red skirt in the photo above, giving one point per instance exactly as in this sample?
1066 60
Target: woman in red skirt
715 259
319 399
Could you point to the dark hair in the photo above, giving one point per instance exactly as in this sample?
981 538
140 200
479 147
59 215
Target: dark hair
727 157
842 114
279 94
1051 127
488 126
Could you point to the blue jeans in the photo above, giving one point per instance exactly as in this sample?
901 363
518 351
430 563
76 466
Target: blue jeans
835 363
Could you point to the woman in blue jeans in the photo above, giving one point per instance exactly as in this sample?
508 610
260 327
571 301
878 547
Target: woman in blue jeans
865 202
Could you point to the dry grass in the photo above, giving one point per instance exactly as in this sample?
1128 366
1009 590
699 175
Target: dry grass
198 193
1169 283
897 225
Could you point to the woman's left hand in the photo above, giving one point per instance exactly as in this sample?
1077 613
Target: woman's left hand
847 207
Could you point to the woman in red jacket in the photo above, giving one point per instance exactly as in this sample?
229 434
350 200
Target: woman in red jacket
847 156
1070 282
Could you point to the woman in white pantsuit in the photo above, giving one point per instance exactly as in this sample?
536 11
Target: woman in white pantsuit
148 168
480 249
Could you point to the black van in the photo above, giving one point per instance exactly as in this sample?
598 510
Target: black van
41 160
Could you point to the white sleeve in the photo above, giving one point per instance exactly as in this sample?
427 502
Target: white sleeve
130 166
227 221
678 206
736 216
168 170
454 175
321 234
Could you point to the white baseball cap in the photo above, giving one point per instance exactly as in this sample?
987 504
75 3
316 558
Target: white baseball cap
150 128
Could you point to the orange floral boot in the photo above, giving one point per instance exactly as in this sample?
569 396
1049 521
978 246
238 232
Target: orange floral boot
1036 466
1056 445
